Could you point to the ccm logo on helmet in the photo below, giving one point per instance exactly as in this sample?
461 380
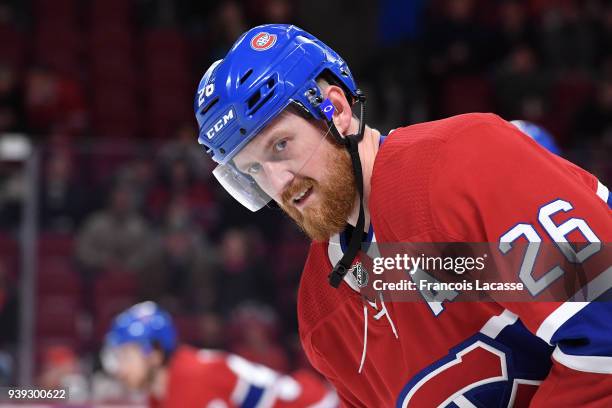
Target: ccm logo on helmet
220 124
263 41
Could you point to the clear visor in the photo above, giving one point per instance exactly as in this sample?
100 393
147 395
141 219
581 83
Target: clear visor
241 186
246 190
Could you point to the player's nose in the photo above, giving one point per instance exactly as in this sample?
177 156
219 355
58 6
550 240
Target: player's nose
279 177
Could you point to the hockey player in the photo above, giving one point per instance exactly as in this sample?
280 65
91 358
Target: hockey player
141 350
276 115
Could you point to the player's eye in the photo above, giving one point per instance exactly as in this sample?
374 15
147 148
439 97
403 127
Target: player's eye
280 145
254 169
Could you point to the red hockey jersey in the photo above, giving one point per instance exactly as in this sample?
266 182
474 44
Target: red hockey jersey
214 379
469 178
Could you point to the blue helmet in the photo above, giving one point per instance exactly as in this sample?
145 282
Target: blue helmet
145 324
539 134
269 67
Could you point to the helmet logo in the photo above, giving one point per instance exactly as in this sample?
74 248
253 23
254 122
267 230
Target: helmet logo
219 124
263 41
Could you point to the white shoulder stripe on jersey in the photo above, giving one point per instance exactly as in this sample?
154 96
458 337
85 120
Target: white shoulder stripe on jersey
515 385
556 319
463 402
240 391
589 364
594 289
602 191
496 324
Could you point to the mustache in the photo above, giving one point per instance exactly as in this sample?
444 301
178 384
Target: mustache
296 186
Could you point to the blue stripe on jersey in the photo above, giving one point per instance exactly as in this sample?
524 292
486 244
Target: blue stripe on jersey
252 398
527 357
609 200
531 354
587 333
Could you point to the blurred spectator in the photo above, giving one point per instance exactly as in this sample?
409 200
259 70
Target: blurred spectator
521 86
400 20
457 45
182 147
227 24
115 237
270 11
11 101
243 276
212 331
180 183
568 35
61 196
179 263
255 328
139 175
457 42
604 32
53 102
514 28
594 121
61 369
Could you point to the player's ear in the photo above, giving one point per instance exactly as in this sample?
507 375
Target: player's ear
342 113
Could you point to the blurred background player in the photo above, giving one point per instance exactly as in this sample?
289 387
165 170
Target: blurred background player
539 134
142 351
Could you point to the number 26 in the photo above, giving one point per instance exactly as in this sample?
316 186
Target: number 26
558 234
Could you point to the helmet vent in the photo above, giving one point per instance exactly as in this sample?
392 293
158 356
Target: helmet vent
261 96
210 105
256 101
245 76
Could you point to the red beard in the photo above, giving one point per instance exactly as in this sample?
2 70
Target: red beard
336 198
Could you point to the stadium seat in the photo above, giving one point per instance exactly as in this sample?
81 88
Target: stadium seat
188 328
50 243
108 11
57 316
14 45
56 276
569 93
465 94
67 10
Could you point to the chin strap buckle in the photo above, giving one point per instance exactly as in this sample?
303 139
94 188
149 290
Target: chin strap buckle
337 275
